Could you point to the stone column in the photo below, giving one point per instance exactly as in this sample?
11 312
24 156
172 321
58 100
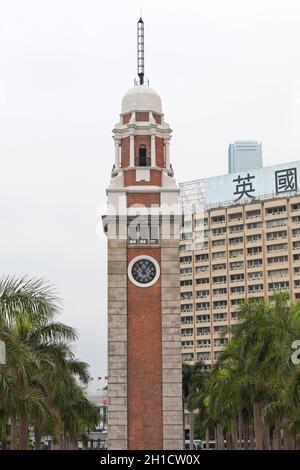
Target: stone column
117 148
171 344
153 152
131 150
117 345
167 149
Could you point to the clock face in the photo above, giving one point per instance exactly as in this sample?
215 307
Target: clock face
143 271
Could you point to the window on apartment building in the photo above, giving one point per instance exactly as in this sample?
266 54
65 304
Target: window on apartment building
200 294
254 263
296 220
234 315
203 356
236 277
277 247
295 207
218 242
187 357
220 329
283 285
187 344
186 222
202 306
253 214
220 316
186 282
235 216
221 291
296 232
186 259
275 210
235 253
297 283
219 254
201 235
296 245
236 228
254 238
202 280
297 270
237 289
255 288
186 295
218 219
201 258
203 330
202 222
218 231
217 267
186 271
186 235
219 279
276 235
254 225
278 259
296 257
187 247
278 272
255 275
187 331
201 245
235 302
237 265
187 320
220 304
202 318
201 269
254 250
235 240
220 342
186 308
203 343
276 223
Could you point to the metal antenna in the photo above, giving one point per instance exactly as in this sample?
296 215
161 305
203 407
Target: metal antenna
140 50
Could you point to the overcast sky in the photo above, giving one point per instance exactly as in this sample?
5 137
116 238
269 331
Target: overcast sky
225 70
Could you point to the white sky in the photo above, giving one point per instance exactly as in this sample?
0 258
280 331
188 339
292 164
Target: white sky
225 70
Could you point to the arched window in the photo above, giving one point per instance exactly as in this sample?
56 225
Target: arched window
142 158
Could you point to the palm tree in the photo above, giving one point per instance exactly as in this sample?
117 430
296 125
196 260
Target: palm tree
39 362
192 390
252 395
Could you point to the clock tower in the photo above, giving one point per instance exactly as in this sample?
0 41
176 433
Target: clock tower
143 226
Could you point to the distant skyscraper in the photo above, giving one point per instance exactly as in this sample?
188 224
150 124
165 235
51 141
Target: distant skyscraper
244 155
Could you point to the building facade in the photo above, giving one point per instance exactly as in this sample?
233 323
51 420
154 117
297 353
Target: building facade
244 155
249 247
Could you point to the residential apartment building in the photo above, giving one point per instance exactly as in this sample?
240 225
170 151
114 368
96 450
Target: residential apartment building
232 252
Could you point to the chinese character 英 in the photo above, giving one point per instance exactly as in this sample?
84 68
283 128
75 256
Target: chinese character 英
244 186
286 180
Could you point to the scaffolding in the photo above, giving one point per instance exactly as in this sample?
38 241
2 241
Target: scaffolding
192 196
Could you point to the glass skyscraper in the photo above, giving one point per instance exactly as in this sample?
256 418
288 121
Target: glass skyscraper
244 155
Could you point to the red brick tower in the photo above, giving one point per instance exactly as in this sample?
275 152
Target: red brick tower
144 362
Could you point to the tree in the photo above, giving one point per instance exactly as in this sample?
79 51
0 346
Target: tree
41 371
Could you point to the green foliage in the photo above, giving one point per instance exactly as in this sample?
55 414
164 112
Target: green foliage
40 382
255 368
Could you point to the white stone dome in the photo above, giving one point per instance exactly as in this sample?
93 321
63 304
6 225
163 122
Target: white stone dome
141 98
